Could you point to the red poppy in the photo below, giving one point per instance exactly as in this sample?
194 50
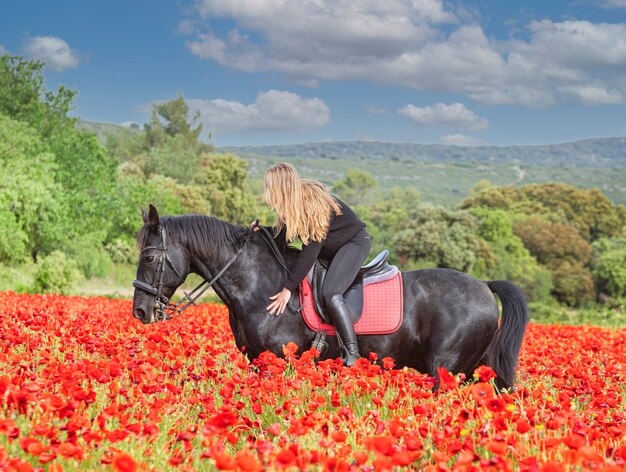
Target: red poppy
123 462
67 449
575 441
286 457
495 404
247 462
225 461
496 446
522 426
485 373
482 392
447 380
32 446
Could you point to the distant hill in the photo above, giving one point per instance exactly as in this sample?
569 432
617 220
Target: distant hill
598 152
102 129
447 174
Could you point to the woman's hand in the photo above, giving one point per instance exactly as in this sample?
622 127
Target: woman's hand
254 226
280 302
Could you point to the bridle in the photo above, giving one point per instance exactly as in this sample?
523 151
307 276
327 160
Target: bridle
164 309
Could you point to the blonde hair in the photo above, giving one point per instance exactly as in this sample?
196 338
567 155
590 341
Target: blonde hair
302 206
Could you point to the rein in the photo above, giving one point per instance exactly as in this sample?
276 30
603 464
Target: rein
164 309
269 239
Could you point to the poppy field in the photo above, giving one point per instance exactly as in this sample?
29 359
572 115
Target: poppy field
85 386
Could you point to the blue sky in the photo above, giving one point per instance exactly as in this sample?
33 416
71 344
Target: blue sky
288 71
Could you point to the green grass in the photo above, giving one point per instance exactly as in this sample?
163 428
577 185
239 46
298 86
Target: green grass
611 315
16 278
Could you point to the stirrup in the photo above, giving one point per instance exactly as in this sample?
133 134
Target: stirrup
319 343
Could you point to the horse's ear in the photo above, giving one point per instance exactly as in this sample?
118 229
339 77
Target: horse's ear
153 216
144 215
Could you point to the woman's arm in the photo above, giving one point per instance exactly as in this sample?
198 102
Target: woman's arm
303 265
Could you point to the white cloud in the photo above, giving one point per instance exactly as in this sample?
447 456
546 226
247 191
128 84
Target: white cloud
54 52
591 95
455 115
460 140
421 44
310 39
273 110
3 51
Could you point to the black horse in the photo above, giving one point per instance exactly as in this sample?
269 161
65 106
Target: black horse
450 318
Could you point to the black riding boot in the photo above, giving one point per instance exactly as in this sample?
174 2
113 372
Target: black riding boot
340 312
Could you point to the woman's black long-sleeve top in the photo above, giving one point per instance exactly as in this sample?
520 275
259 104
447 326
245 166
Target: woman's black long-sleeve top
342 228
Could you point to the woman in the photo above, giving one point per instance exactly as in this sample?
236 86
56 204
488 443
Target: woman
327 228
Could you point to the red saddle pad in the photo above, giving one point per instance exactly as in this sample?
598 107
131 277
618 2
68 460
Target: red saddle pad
382 308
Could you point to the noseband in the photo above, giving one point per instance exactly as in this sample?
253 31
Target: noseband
164 309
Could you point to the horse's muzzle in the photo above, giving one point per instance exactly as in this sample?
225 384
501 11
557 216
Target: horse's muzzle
146 318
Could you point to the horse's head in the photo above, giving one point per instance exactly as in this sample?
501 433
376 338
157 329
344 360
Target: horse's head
162 268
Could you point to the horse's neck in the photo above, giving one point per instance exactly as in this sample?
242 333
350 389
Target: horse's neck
208 257
254 275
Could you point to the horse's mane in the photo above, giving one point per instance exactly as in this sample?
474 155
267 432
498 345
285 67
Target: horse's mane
204 235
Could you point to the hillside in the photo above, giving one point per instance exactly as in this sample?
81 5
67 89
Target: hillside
446 174
599 152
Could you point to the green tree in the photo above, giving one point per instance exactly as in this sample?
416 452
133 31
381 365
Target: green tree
552 243
609 266
174 157
223 180
172 119
589 211
32 207
170 145
83 169
564 252
442 237
356 187
135 192
125 144
24 97
573 284
88 176
386 217
507 258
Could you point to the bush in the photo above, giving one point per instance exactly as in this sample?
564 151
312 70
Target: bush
609 266
121 251
573 284
93 262
55 273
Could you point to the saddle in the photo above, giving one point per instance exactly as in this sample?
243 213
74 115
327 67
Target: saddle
375 298
378 270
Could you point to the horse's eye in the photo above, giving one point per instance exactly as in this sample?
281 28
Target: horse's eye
150 259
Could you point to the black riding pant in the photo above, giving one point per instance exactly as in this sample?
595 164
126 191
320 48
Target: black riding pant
345 265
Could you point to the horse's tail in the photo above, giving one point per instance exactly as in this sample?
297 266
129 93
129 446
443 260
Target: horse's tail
503 350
